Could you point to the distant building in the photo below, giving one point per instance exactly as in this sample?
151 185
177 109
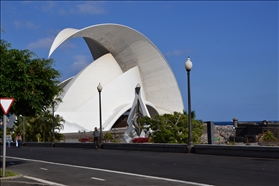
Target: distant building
123 58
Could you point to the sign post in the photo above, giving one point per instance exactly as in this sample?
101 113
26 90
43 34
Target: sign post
5 104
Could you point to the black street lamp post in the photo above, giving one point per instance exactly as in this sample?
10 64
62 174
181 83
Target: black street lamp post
99 88
188 67
53 125
23 129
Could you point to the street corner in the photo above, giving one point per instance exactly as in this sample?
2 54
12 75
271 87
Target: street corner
19 180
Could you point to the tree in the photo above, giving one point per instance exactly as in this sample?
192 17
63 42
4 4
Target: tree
31 81
172 128
40 127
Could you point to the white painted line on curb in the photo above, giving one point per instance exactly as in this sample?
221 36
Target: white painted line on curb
112 171
43 181
43 168
94 178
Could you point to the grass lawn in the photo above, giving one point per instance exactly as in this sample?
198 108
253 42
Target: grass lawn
8 173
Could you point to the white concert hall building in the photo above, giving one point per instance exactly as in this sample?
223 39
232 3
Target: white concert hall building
123 59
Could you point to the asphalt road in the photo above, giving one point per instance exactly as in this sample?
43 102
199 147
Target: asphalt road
75 166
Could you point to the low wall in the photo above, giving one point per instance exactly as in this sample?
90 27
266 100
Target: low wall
74 145
34 144
243 151
66 145
158 147
223 150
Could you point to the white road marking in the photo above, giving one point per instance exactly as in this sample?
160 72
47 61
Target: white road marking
100 179
112 171
43 181
43 168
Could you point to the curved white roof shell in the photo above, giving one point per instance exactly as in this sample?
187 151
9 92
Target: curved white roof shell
123 57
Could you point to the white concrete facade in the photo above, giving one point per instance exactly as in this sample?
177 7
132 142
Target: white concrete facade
123 57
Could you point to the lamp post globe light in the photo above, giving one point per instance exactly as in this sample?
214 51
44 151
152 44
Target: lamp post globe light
100 88
188 67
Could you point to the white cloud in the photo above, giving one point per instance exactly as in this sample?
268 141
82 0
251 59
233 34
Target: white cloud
17 24
62 11
91 8
41 43
48 6
175 53
67 44
81 61
67 8
179 52
53 31
47 42
30 25
25 24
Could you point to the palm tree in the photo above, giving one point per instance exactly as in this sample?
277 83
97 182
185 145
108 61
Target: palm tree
41 127
193 114
58 120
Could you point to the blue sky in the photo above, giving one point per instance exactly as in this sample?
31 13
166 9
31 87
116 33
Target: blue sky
233 46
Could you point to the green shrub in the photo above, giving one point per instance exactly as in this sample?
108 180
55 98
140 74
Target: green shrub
108 136
172 128
268 137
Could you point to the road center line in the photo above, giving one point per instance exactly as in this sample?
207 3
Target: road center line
43 168
112 171
94 178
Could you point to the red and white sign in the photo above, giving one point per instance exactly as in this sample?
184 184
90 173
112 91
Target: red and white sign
6 104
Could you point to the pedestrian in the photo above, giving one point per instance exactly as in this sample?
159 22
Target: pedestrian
96 138
18 140
9 139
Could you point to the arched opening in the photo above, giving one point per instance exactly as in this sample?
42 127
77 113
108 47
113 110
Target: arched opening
152 111
121 122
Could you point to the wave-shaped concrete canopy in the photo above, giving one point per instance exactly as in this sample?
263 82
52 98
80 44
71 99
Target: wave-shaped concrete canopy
123 57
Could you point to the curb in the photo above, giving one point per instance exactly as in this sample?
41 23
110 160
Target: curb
12 177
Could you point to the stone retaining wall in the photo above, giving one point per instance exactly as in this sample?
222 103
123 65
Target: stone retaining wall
235 150
222 134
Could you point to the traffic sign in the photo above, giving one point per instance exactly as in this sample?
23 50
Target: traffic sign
6 104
